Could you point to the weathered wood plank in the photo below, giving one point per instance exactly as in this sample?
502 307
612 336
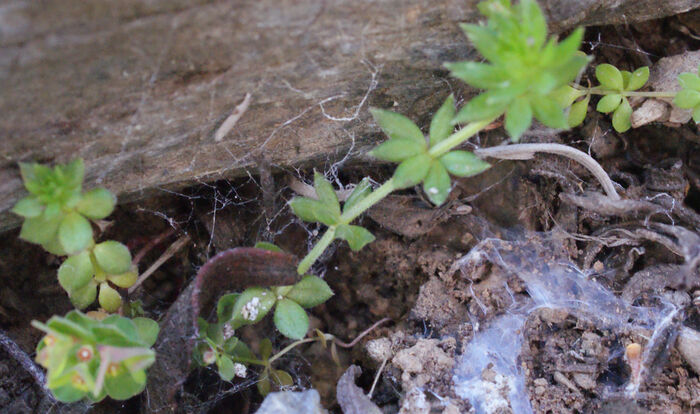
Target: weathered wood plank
138 89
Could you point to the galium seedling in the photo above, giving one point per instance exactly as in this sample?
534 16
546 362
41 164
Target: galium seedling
218 344
57 216
85 357
88 358
526 75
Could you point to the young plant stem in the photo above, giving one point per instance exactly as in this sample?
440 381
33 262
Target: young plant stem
290 347
459 137
527 151
347 216
646 94
384 190
317 250
249 361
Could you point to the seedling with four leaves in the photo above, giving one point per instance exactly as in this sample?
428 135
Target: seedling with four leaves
89 358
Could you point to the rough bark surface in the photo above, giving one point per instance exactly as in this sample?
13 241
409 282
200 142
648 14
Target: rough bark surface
139 89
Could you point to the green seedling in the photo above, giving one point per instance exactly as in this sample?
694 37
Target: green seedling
288 302
689 96
56 216
92 359
232 357
219 346
524 69
56 212
616 85
526 75
106 263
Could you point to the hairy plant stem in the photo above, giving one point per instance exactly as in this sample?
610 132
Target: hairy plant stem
384 190
459 137
601 91
527 151
317 250
347 216
290 347
249 361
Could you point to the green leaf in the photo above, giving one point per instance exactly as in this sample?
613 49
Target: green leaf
263 385
478 75
621 117
112 334
569 71
291 319
83 297
638 78
441 126
224 308
626 77
237 348
124 386
225 366
68 393
73 172
687 99
485 106
609 103
463 163
31 176
124 280
609 77
356 236
310 291
271 247
252 305
75 272
397 126
412 171
282 378
53 210
533 22
549 113
484 40
74 233
696 114
265 349
53 246
113 257
97 204
437 184
40 229
689 80
544 82
362 190
567 49
397 150
109 299
125 325
215 332
565 95
68 327
313 211
147 330
28 207
326 193
518 118
578 112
